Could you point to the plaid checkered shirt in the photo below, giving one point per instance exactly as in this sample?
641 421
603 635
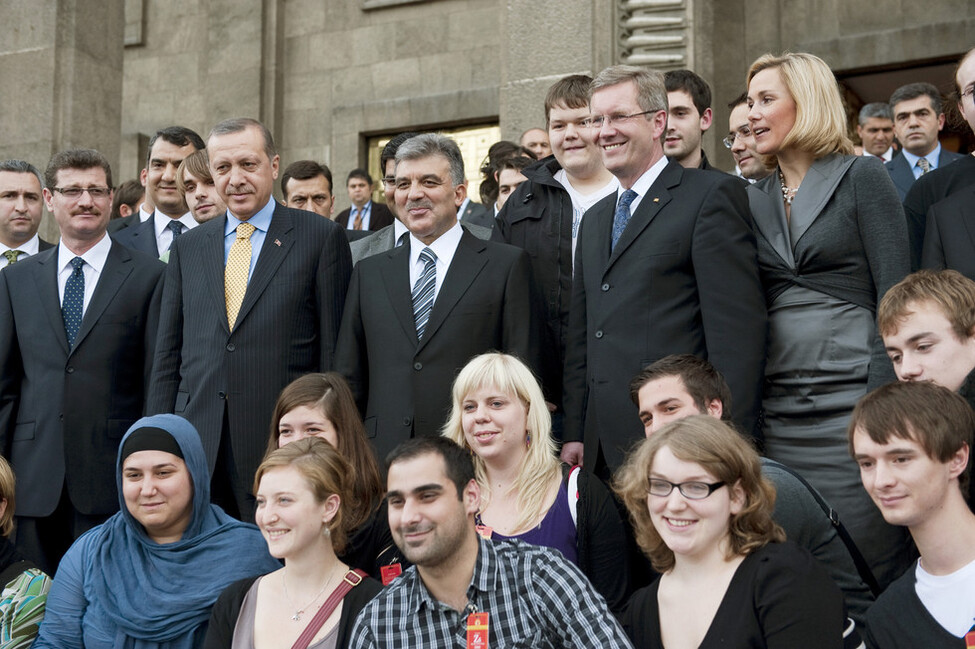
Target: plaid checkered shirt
533 597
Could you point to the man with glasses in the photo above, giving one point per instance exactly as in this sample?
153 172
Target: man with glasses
77 326
666 265
740 140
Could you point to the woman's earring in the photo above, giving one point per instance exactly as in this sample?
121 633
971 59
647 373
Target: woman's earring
528 438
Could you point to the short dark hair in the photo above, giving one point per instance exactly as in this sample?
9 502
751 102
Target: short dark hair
938 419
691 83
571 91
878 109
915 90
76 159
178 135
457 460
130 193
21 167
389 151
362 174
517 162
739 100
238 124
703 382
305 170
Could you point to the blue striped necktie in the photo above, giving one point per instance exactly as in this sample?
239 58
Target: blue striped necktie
424 291
74 300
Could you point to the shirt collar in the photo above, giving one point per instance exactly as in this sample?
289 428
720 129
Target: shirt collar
94 256
29 248
484 579
443 247
931 157
398 230
261 220
160 221
643 183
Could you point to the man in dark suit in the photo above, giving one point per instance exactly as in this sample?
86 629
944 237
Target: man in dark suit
918 118
401 348
171 218
307 185
253 300
77 326
20 212
364 214
668 266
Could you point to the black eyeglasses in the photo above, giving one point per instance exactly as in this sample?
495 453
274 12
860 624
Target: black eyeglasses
74 193
690 490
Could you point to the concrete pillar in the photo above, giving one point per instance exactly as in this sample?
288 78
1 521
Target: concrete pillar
61 74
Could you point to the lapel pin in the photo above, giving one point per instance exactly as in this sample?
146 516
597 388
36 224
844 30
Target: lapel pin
277 242
656 200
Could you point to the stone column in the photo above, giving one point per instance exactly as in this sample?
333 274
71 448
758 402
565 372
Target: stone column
61 71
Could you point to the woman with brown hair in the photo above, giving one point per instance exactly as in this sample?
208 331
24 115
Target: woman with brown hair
321 405
702 513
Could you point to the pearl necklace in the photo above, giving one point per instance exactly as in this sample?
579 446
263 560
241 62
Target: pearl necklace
300 611
788 193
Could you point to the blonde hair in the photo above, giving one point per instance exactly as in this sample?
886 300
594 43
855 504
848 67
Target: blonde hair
7 492
820 127
722 452
541 466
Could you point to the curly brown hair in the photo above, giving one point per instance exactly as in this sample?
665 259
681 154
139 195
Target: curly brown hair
722 452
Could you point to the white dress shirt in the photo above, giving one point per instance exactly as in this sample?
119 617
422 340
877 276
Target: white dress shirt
95 259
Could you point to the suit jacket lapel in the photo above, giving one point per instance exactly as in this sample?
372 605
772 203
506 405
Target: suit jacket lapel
768 213
817 189
464 267
396 280
650 204
967 217
117 268
213 266
46 281
277 245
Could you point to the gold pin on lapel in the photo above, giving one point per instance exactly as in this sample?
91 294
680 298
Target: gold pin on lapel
656 200
277 242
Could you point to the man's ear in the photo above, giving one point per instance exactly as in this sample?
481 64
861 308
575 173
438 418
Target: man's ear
715 408
959 461
472 497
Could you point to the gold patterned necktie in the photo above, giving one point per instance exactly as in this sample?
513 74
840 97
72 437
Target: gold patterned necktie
357 223
235 275
11 255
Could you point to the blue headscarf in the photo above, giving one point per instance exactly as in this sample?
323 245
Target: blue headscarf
159 595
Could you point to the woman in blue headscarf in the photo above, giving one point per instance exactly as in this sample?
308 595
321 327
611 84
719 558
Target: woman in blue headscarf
148 577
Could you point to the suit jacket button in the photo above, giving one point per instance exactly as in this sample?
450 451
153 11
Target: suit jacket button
418 366
222 394
599 334
407 421
605 287
231 347
70 370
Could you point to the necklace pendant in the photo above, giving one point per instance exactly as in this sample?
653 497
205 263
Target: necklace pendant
297 616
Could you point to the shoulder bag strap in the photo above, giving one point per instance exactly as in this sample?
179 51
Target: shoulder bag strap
352 579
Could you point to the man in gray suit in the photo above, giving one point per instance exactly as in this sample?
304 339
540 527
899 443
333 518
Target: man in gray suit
253 300
393 235
77 326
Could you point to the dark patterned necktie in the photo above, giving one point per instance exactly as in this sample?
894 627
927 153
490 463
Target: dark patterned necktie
424 291
622 216
74 300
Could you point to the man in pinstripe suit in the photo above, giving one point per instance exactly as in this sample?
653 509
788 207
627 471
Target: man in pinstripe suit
221 361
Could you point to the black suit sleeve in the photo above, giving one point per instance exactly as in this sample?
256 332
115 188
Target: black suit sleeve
352 360
732 300
164 382
152 332
933 253
574 388
11 369
334 269
522 318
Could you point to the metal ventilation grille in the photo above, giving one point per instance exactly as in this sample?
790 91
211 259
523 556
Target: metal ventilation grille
654 33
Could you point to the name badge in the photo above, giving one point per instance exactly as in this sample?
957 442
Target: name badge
390 572
477 631
484 530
